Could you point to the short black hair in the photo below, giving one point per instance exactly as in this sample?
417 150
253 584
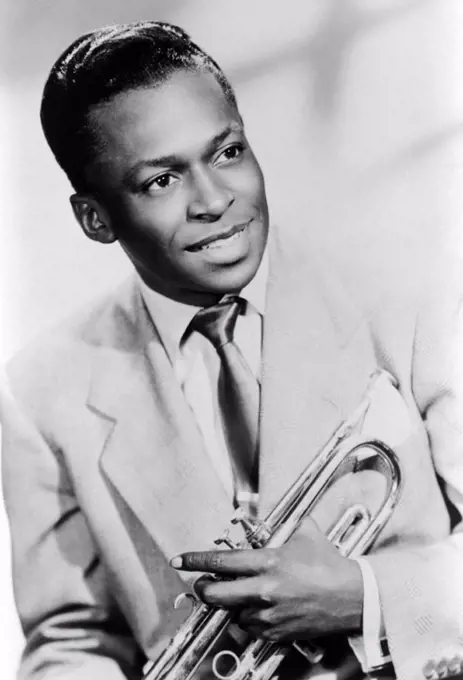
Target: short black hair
102 64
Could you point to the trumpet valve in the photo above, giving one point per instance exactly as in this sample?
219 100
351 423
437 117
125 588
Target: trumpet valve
256 531
225 539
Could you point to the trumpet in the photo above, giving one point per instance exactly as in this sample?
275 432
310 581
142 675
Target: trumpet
353 534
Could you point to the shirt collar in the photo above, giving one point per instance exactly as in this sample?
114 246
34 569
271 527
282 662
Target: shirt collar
171 317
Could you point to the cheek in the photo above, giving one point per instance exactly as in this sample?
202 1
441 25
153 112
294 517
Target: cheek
252 188
150 222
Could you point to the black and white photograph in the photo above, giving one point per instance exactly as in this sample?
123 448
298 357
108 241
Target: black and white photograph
231 348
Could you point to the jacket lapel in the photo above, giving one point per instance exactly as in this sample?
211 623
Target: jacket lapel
154 456
317 360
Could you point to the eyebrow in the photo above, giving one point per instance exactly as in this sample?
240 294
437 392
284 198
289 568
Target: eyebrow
172 160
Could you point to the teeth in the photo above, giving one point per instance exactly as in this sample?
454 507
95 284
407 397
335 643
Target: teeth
222 241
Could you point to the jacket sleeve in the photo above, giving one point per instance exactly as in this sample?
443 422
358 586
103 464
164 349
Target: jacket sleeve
421 587
73 628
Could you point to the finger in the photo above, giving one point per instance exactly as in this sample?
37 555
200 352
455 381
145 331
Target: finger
200 583
243 592
226 562
257 618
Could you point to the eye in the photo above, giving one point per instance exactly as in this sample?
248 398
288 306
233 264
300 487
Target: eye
229 154
161 182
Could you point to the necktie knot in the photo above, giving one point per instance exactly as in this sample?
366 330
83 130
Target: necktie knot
217 323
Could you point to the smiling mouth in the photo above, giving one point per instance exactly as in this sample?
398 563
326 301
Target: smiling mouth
217 240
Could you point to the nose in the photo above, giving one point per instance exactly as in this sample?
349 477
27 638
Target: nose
210 197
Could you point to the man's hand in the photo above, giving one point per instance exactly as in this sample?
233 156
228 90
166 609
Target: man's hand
302 590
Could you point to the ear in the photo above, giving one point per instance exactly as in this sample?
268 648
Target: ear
92 218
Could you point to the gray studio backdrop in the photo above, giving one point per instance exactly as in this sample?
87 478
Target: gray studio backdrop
354 107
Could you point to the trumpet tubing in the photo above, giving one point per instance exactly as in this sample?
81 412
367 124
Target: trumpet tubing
353 534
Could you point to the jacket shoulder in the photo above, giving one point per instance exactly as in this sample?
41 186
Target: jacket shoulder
59 360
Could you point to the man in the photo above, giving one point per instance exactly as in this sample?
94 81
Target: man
121 427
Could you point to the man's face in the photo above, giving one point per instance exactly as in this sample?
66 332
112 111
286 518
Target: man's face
180 188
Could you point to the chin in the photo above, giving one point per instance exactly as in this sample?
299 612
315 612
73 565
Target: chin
234 279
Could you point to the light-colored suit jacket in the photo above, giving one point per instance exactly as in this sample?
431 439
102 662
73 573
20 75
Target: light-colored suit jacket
106 476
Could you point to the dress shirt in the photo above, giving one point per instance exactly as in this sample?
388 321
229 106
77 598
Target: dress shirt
196 363
196 366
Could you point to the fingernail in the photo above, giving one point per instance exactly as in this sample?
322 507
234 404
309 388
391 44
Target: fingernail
176 562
